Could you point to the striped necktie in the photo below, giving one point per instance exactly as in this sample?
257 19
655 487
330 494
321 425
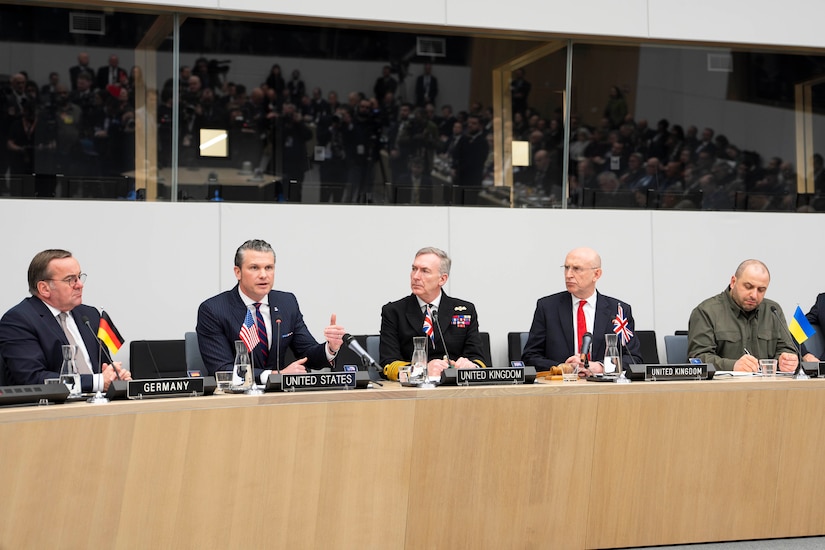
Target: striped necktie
261 327
428 324
79 359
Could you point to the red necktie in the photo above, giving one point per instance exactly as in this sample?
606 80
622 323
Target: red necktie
581 325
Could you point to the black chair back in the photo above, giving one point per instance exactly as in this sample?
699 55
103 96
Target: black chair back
157 359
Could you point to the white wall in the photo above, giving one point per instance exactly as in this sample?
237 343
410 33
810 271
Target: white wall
151 264
791 22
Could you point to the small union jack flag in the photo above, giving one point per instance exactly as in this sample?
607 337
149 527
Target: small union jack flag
249 334
428 325
620 326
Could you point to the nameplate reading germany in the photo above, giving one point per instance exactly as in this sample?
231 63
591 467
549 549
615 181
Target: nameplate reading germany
472 377
318 381
676 372
164 387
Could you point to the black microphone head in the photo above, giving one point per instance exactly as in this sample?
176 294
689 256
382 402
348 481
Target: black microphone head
587 341
347 338
85 319
773 310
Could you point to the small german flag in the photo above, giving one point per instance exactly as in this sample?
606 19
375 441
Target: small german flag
108 334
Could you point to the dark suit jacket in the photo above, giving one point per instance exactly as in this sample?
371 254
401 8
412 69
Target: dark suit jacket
403 320
219 323
550 342
31 340
816 315
421 97
103 77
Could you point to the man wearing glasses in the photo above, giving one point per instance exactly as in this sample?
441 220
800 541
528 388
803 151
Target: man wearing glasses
33 332
562 319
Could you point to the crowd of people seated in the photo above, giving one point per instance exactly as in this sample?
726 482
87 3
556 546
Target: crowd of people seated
86 127
624 162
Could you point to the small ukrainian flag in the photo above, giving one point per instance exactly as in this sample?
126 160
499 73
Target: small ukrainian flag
800 327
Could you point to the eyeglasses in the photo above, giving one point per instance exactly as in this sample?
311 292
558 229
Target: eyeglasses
71 280
577 270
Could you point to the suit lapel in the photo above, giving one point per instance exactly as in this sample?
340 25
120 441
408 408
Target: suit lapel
414 315
602 317
89 340
565 310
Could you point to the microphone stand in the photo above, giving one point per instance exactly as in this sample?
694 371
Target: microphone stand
799 373
98 398
441 334
366 359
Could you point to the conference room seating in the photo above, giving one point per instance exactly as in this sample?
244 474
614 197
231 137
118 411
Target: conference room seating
676 348
515 345
194 361
649 348
157 359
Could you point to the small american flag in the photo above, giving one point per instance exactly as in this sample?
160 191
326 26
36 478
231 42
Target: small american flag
249 334
620 326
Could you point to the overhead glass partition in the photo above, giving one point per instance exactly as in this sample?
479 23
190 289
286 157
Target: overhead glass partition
108 104
693 128
74 101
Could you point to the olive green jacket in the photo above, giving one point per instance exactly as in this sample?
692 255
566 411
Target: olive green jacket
719 332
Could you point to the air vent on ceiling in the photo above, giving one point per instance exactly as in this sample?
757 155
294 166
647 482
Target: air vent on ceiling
87 23
430 47
720 62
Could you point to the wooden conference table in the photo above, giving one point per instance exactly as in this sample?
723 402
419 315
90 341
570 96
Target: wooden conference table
580 465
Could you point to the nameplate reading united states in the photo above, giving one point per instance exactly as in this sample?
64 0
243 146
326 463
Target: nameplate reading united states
472 377
676 372
318 381
164 387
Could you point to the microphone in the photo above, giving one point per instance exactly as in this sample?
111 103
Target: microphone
587 341
798 372
86 322
278 345
366 358
441 334
352 343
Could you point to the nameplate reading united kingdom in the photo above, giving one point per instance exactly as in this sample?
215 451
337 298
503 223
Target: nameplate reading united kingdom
676 372
473 377
164 387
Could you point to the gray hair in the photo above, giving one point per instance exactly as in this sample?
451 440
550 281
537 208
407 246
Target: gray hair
257 245
446 262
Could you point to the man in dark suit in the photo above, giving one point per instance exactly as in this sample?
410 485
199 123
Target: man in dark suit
426 87
562 319
33 332
81 67
110 74
816 316
221 317
454 340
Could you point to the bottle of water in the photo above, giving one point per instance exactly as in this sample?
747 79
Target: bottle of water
243 372
612 359
418 362
68 371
